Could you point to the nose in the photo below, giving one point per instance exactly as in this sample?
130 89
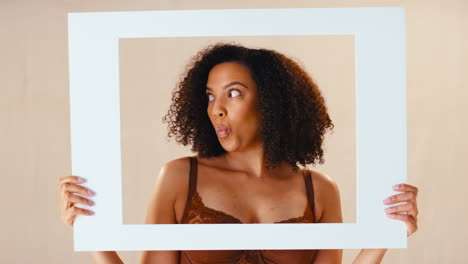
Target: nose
219 110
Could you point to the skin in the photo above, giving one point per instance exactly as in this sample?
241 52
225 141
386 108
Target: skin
239 184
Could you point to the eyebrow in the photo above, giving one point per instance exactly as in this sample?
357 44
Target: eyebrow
229 84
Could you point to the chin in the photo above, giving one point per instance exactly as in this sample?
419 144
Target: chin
230 147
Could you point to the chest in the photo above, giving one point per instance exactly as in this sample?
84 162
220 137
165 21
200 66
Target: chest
252 200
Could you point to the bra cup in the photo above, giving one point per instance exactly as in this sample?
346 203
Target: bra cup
196 212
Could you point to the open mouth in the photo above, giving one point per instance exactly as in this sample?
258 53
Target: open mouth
223 132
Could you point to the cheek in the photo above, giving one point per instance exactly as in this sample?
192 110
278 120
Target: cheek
246 117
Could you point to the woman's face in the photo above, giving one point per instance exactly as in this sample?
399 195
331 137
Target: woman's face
232 106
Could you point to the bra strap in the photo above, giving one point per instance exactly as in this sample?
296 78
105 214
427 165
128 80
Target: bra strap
191 188
310 191
193 178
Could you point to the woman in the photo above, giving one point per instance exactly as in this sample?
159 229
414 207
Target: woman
251 115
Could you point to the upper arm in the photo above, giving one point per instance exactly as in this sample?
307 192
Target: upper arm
329 197
167 188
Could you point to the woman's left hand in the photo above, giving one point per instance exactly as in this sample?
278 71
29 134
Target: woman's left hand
406 212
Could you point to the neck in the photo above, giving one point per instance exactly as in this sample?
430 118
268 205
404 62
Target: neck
251 161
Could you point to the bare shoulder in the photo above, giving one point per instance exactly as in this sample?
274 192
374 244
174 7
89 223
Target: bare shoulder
174 174
327 197
323 182
176 168
171 187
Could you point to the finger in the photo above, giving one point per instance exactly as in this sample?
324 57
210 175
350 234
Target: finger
403 187
70 187
79 211
69 219
66 203
401 197
72 212
74 199
408 208
411 224
70 179
67 179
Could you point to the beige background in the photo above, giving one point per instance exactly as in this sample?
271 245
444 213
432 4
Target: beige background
35 134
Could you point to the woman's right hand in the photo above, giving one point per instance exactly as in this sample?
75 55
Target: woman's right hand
69 188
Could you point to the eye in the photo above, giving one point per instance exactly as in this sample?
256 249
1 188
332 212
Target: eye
235 91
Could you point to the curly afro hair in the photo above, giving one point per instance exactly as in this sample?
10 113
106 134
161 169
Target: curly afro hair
293 114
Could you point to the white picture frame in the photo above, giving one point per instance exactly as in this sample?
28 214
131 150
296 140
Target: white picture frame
380 54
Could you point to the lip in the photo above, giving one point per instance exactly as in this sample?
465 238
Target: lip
221 127
222 131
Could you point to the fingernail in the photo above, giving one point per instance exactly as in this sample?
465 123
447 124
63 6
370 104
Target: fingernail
90 202
396 187
80 179
388 210
91 192
91 212
386 200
